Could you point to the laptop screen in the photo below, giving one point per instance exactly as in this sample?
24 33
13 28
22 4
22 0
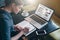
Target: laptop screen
44 12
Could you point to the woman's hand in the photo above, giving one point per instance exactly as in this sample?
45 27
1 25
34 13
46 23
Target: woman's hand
21 32
25 30
18 28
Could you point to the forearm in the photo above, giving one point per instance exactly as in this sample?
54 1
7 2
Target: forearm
16 37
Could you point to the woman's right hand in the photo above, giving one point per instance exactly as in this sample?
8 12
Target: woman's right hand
25 30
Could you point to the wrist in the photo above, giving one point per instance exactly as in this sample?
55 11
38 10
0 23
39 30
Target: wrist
22 32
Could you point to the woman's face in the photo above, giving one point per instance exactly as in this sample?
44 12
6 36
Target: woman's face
16 8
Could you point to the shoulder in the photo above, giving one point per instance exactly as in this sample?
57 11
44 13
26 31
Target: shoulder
4 14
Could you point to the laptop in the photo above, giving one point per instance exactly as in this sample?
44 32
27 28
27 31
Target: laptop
41 17
26 24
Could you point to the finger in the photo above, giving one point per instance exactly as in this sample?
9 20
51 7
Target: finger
26 30
16 29
19 27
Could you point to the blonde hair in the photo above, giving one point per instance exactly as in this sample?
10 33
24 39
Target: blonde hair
17 2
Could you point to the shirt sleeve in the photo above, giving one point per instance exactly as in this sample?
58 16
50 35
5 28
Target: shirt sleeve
4 28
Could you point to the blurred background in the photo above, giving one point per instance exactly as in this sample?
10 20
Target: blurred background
30 5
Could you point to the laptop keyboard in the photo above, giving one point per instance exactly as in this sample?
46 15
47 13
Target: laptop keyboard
37 19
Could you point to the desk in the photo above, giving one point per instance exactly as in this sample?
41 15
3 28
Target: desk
49 28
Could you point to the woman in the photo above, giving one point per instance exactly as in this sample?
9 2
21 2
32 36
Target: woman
6 22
